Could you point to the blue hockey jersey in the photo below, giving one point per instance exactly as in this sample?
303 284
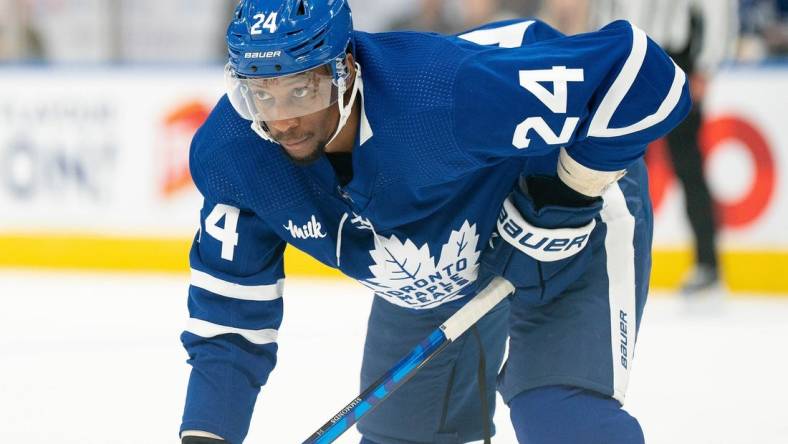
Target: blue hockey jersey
448 125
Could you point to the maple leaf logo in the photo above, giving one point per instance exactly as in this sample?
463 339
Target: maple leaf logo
408 276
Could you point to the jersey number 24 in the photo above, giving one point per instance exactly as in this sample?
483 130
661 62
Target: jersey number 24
512 36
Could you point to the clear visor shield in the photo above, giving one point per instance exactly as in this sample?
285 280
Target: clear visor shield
279 98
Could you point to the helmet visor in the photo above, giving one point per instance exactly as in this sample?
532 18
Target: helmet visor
267 99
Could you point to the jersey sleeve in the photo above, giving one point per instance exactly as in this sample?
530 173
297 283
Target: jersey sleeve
603 96
235 310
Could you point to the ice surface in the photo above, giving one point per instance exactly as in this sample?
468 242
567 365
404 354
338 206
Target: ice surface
95 359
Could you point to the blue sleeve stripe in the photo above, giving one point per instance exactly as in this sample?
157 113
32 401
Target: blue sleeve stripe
237 291
207 329
600 122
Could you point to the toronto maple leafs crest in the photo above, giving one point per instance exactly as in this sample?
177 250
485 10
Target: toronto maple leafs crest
408 275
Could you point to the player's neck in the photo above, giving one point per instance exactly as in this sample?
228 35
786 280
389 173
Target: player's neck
346 138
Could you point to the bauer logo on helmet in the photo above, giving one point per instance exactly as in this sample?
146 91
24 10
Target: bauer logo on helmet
262 55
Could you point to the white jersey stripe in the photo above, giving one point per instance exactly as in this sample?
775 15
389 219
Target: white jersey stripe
236 291
620 87
207 329
600 123
620 250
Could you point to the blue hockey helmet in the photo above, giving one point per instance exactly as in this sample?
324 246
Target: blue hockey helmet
287 59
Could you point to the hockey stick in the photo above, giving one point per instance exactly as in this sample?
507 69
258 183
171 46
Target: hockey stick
449 331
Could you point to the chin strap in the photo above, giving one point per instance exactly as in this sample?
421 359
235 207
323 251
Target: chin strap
346 110
262 131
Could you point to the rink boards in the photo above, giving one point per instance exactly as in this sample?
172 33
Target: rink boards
94 172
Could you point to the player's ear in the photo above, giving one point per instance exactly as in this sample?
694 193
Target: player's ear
350 62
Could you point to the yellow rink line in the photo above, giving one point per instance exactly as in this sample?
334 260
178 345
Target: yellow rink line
762 271
79 252
744 271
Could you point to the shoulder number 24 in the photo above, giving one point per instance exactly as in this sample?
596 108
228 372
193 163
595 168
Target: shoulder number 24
512 36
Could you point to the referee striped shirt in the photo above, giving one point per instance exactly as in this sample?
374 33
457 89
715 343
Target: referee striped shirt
710 37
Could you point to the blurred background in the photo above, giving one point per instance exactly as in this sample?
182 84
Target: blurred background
99 100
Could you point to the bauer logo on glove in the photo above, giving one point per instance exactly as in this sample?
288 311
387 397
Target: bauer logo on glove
546 245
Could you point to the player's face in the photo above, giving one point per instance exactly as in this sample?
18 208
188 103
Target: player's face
304 138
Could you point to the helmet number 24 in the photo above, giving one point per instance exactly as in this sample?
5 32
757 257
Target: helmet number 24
264 22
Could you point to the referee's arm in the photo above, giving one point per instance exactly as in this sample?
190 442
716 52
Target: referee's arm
720 33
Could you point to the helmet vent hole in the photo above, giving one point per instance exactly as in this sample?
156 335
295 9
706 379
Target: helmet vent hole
301 8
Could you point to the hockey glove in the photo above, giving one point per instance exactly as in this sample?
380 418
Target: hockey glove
542 237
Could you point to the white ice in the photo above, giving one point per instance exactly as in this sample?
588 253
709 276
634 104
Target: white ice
95 359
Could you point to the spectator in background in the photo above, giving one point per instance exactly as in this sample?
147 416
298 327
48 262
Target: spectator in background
449 17
10 32
131 30
699 35
74 30
523 8
114 30
198 36
568 16
17 40
764 27
428 16
377 15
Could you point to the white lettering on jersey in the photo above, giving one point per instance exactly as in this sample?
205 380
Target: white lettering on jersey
559 76
227 235
513 36
556 101
408 276
311 230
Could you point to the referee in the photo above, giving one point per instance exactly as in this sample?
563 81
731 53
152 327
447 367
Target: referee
699 35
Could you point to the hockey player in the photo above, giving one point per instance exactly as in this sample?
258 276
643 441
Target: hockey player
423 165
